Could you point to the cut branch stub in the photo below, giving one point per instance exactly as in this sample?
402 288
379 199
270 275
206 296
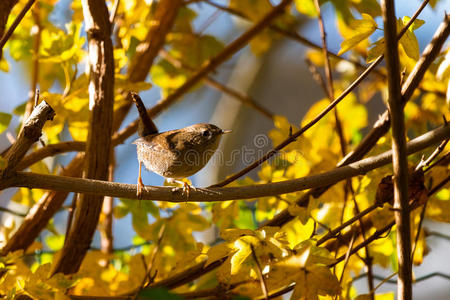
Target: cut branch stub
31 132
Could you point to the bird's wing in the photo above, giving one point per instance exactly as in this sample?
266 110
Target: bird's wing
161 142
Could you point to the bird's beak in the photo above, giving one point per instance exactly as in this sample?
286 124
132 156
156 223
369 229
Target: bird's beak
226 131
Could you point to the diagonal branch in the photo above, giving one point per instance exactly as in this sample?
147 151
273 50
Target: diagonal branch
8 5
419 70
381 127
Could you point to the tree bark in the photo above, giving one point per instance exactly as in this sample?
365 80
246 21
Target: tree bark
98 146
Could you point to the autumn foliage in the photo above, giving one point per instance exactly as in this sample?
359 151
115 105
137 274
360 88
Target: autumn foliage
306 236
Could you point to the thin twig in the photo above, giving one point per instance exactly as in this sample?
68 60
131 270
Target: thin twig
368 259
10 211
416 280
328 75
437 234
444 160
347 256
155 250
260 274
113 13
246 100
436 152
16 22
34 92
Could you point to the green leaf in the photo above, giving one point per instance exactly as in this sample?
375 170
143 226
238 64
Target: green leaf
245 219
4 121
363 29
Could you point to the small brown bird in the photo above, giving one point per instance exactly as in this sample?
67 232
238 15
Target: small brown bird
178 153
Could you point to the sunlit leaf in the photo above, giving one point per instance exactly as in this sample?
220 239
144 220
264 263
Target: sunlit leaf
362 29
306 7
409 41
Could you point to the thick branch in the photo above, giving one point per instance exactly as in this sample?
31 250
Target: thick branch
147 51
98 146
98 187
44 212
399 157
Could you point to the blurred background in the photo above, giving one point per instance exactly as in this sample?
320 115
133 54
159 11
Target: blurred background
279 80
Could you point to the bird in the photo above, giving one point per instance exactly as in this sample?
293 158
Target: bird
179 153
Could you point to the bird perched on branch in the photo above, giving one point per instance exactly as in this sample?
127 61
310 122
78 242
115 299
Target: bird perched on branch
174 154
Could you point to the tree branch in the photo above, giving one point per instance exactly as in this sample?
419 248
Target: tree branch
428 57
39 215
381 127
98 187
98 146
399 156
9 5
45 209
30 133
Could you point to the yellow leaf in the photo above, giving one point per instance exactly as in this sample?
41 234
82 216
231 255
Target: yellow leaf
240 256
306 7
376 50
297 233
217 252
408 41
362 30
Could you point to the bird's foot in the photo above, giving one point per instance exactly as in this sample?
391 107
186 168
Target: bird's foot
140 187
186 186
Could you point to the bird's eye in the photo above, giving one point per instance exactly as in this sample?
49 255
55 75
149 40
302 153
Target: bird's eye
206 133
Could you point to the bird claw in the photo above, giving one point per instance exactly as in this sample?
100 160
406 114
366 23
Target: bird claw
187 189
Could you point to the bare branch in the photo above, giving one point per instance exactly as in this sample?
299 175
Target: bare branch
399 157
260 274
30 133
